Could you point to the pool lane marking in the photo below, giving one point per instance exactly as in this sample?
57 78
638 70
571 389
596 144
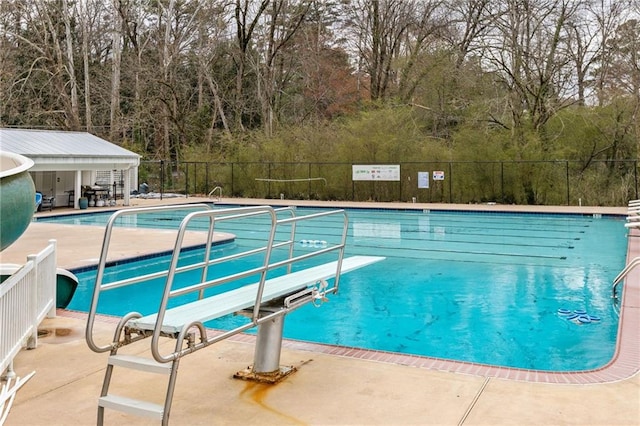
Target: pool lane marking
500 243
485 253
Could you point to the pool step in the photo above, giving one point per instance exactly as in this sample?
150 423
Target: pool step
139 363
136 406
132 406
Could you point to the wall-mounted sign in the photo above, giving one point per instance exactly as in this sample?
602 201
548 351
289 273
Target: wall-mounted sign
376 172
423 179
438 175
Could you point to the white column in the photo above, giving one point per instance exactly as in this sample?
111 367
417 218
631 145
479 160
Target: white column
126 196
77 188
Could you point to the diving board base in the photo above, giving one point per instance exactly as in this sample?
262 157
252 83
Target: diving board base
248 374
266 366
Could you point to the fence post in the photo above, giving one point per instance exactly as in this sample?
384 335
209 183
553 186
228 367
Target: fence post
502 180
400 187
309 181
353 186
32 341
186 180
269 182
161 178
450 183
566 163
635 176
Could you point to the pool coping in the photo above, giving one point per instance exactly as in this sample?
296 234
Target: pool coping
624 364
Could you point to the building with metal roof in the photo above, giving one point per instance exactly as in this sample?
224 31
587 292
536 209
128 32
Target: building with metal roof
69 163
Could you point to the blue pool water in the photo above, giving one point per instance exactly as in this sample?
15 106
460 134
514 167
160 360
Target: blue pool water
482 287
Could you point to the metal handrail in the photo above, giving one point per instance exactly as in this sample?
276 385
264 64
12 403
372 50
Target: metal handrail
216 216
262 271
635 262
103 261
217 188
168 293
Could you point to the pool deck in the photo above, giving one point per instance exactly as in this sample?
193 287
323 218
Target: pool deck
334 385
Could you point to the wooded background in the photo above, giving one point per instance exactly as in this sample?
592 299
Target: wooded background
349 81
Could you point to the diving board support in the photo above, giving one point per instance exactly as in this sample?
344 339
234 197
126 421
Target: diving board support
268 346
266 366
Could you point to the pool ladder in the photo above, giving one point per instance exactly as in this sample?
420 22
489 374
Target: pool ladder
213 191
630 266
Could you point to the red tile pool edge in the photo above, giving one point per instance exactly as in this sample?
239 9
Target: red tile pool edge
625 362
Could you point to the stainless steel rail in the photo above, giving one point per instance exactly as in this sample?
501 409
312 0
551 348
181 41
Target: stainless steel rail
622 275
213 191
171 291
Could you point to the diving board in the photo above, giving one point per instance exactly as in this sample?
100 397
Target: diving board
213 307
263 278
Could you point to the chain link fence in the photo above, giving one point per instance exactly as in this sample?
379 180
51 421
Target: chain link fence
604 183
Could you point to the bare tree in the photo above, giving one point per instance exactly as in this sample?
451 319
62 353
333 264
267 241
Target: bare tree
322 84
285 18
428 21
53 33
247 16
83 12
608 15
379 27
582 44
211 49
471 21
70 65
527 51
177 33
116 55
10 16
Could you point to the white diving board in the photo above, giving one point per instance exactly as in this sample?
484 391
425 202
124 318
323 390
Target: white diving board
219 305
185 323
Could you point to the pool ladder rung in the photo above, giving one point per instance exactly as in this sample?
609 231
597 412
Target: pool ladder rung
136 406
140 363
131 406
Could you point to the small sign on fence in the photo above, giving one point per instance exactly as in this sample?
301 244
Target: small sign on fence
438 175
423 180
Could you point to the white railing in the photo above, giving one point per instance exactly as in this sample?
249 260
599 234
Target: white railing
26 298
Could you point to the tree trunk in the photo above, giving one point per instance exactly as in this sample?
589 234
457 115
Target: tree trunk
114 112
71 69
84 12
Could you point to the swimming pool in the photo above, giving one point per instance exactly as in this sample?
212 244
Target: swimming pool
481 287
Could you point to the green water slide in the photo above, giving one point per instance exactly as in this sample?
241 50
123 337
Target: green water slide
17 197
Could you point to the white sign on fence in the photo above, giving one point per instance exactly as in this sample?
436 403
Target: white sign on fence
376 172
423 180
438 175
